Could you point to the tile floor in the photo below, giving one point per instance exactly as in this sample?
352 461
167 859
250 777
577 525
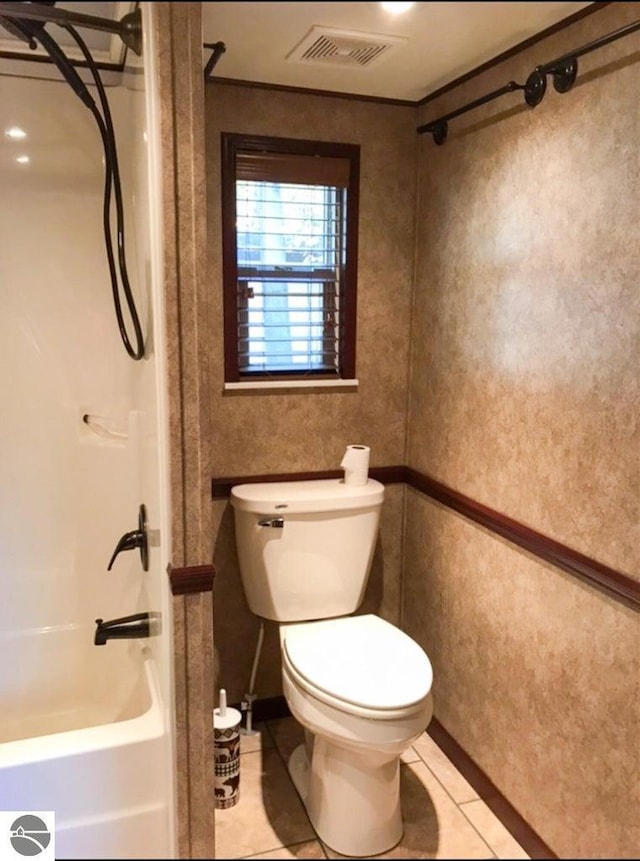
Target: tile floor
443 815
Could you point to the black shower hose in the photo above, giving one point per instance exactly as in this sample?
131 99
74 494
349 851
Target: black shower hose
111 181
112 174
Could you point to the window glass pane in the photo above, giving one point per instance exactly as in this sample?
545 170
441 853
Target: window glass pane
289 250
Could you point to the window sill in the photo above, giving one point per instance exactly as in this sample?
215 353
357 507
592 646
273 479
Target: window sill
265 387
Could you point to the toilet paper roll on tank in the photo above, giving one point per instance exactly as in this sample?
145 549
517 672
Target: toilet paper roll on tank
356 465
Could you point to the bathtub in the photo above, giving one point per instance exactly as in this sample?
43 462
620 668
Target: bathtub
92 747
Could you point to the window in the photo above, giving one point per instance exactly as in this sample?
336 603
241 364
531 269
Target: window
290 232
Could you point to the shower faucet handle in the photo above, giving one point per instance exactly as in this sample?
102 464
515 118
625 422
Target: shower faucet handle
136 538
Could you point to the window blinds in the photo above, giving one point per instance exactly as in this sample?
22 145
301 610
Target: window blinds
289 267
292 168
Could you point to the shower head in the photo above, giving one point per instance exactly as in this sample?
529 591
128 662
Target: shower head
31 29
17 29
23 29
33 32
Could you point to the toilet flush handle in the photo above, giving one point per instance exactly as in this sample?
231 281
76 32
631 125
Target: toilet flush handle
274 522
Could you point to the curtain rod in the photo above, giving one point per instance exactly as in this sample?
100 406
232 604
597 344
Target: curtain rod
564 71
129 28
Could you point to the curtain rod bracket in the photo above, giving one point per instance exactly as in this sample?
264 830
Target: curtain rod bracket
218 49
131 31
564 75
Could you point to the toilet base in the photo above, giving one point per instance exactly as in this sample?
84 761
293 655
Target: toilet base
352 796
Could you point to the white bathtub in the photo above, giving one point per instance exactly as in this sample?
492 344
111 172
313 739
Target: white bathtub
95 752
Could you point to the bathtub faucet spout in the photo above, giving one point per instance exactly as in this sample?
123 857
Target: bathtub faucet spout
127 627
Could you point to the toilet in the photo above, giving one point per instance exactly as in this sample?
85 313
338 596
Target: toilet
359 686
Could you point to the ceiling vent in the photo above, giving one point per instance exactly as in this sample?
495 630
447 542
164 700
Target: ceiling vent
332 47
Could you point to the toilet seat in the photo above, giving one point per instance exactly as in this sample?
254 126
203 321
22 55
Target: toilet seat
358 664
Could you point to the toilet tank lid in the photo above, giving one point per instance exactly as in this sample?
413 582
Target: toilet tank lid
293 497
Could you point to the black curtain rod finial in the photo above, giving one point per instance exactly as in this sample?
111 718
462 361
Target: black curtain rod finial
439 131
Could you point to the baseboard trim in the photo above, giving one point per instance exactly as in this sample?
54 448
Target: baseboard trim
273 708
518 827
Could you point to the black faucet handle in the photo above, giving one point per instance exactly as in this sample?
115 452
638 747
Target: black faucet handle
136 538
129 541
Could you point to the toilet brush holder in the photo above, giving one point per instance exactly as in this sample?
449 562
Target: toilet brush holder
226 737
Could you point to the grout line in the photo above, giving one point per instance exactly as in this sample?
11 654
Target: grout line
261 727
293 786
454 767
275 746
524 835
289 846
261 751
458 805
286 768
446 791
462 805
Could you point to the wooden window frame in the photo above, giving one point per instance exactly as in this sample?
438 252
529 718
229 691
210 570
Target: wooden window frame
231 145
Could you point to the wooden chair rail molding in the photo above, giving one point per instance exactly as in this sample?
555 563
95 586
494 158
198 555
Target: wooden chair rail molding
614 583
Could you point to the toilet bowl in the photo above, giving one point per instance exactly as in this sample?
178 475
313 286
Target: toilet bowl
362 691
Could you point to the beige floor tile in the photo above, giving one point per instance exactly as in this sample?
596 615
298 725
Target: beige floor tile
258 740
444 770
310 849
269 814
410 755
287 734
492 830
434 826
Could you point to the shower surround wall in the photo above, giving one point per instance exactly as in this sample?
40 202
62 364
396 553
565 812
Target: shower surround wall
70 489
301 432
525 396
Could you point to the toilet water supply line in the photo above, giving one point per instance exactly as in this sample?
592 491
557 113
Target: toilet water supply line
247 703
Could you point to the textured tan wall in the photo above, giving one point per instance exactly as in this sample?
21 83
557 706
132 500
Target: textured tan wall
279 433
524 396
535 675
179 40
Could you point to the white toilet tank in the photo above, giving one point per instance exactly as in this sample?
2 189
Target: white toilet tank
305 547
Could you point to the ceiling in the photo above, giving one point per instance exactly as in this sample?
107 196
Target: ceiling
405 56
429 46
